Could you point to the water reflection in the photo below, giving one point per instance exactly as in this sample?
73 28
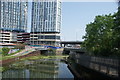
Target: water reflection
43 68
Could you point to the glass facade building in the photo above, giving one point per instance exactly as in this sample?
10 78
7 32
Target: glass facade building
13 16
46 22
13 19
46 16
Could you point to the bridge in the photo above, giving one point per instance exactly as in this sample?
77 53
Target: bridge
64 43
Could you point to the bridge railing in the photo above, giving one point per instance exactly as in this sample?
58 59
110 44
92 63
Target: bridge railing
108 66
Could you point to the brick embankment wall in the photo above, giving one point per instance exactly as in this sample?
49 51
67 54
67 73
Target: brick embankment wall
59 51
34 53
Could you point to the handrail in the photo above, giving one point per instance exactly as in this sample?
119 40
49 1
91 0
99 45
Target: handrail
109 66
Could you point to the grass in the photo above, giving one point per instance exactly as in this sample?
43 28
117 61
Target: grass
30 58
2 57
2 69
0 49
14 52
7 57
42 57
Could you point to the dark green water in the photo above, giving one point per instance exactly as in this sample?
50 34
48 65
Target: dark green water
43 68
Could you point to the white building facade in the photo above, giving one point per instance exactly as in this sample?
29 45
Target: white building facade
8 37
46 22
13 19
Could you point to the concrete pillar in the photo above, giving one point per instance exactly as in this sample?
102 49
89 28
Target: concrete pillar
60 45
64 45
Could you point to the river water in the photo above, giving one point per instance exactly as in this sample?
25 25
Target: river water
42 68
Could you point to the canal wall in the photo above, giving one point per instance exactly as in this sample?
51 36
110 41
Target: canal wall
59 51
34 53
67 50
109 67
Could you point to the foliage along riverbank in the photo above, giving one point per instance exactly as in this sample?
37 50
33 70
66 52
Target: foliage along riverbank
3 68
103 35
44 57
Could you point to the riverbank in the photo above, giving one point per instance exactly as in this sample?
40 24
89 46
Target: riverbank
16 54
34 57
0 49
16 58
45 57
49 67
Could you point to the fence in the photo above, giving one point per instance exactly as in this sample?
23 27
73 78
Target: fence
108 66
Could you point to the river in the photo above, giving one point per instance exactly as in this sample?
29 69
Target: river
40 68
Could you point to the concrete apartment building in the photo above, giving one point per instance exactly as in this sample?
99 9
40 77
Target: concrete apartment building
46 22
13 20
8 37
23 38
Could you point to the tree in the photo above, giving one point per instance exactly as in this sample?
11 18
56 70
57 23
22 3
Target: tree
5 51
116 32
98 36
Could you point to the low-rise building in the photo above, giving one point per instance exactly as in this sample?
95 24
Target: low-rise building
9 45
23 38
8 37
14 37
52 39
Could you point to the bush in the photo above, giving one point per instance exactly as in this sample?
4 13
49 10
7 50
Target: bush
5 51
51 51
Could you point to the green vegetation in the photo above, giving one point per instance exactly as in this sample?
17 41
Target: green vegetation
14 52
42 57
5 54
1 69
0 53
5 51
103 35
7 57
21 64
51 51
116 32
0 49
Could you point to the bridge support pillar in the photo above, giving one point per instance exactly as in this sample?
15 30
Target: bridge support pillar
60 45
64 45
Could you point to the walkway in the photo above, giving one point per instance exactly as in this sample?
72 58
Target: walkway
26 51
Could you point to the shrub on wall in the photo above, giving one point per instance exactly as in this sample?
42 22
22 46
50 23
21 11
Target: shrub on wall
51 51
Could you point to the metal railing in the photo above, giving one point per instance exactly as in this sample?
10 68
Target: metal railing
108 66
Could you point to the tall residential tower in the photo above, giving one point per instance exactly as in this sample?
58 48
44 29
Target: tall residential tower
13 16
46 22
13 19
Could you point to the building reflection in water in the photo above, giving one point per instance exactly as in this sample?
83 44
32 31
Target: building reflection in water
33 69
